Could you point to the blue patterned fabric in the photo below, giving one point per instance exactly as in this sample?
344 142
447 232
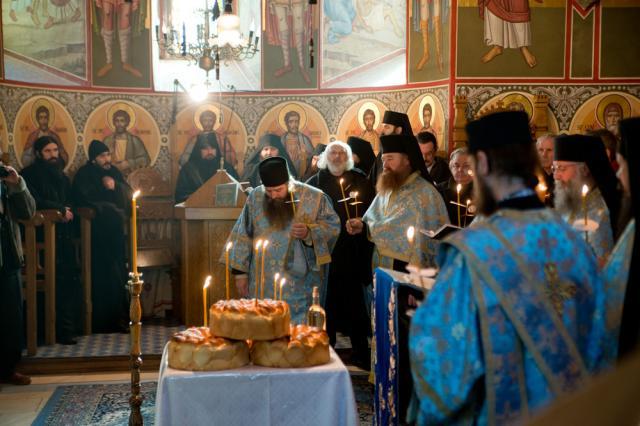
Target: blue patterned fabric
416 203
386 360
616 275
303 265
514 320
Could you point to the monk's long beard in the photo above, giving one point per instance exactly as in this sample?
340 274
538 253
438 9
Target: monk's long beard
567 196
483 198
278 212
389 181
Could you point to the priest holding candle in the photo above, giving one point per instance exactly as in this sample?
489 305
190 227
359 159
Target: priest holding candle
582 161
300 243
350 271
405 198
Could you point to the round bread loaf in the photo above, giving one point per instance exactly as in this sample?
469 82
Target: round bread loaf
250 319
307 346
195 349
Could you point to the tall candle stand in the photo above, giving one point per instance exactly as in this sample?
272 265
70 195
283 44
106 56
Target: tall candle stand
135 357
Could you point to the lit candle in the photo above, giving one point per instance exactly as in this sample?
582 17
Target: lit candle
265 243
541 191
344 199
466 213
256 258
275 285
282 283
226 268
207 282
134 233
458 188
585 191
355 201
411 232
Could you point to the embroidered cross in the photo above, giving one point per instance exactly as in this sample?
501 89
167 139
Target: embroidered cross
557 289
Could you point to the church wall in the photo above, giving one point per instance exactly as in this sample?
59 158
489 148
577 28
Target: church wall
586 62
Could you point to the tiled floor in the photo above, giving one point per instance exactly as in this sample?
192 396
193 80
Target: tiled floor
19 405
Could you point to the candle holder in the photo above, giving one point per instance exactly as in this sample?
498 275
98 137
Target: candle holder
135 357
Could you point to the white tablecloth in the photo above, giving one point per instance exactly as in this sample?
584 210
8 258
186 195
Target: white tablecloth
255 395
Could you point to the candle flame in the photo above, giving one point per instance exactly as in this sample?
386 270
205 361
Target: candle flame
136 194
341 181
585 190
265 243
542 187
207 282
276 276
458 187
283 282
411 232
258 244
468 202
229 245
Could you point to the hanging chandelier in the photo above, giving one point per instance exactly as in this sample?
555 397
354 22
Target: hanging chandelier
226 44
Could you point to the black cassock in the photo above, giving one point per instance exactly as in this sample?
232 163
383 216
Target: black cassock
109 293
350 270
51 189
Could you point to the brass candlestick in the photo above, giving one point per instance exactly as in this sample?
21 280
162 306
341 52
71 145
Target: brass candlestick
135 356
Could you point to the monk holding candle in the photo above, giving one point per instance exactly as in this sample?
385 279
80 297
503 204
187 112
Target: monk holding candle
299 245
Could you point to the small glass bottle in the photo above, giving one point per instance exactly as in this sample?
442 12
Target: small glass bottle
316 316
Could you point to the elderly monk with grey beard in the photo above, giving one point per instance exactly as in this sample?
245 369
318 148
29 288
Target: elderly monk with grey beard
301 228
581 161
350 271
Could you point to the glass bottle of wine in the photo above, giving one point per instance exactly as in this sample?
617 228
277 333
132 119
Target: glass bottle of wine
316 316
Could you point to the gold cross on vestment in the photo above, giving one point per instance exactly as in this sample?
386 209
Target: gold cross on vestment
557 289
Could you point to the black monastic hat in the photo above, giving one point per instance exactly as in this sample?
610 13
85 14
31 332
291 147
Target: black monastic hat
576 148
364 151
499 129
406 144
273 171
96 148
398 119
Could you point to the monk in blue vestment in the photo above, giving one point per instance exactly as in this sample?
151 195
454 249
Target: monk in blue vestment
301 236
582 160
405 198
516 316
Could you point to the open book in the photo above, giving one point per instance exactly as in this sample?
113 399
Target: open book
441 232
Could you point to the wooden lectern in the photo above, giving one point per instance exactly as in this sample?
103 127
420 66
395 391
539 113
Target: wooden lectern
204 228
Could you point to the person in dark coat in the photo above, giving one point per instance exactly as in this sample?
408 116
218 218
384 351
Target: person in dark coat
269 145
362 153
16 203
350 271
101 186
313 165
203 163
437 167
51 189
460 165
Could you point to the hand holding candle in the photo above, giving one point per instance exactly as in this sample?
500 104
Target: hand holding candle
207 283
134 233
226 267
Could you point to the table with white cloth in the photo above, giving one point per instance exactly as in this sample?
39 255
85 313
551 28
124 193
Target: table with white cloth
254 395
